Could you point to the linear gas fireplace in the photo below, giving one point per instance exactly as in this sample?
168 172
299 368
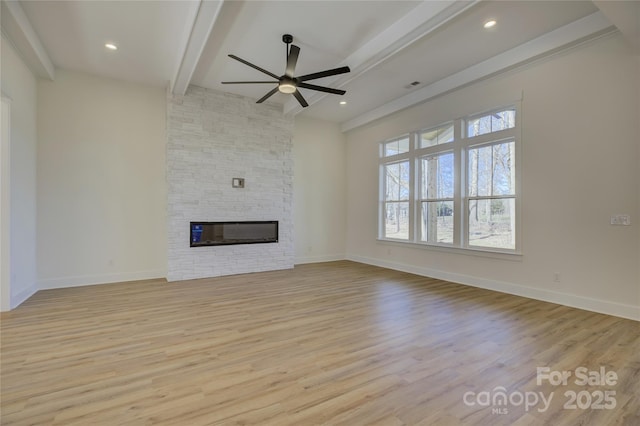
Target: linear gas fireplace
227 233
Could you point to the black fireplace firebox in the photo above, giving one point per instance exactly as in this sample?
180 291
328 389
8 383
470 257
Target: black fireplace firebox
227 233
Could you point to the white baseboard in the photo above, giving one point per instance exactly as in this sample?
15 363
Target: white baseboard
18 299
82 280
318 259
601 306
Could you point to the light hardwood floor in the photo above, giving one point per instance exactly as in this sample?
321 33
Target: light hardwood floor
337 343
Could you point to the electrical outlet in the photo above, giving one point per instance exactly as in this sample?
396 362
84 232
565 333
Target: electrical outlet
621 219
556 277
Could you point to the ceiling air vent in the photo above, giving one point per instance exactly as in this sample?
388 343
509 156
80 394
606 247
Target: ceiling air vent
412 85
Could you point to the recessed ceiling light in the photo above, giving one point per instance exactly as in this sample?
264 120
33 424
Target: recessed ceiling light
343 102
111 46
490 24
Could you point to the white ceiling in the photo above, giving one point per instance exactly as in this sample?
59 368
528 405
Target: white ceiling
150 36
326 32
387 44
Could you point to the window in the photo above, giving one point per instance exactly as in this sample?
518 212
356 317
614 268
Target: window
437 136
436 197
491 195
395 189
396 200
454 184
493 122
398 146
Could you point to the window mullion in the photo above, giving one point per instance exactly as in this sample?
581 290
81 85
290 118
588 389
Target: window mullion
382 189
412 187
459 224
492 197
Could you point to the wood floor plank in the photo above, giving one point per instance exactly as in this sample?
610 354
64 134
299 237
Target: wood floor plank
336 343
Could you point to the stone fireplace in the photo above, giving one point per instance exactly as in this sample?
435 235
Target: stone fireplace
213 140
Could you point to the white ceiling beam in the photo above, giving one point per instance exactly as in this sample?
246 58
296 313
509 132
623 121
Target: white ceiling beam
568 35
420 21
203 21
17 29
625 15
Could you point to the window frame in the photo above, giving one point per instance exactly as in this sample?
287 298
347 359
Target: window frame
398 159
460 147
420 200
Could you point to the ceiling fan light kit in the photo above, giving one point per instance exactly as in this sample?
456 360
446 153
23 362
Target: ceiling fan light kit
287 86
289 83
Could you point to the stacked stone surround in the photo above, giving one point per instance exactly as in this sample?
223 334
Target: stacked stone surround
213 137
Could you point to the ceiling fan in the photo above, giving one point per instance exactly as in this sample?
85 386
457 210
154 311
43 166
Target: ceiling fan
289 83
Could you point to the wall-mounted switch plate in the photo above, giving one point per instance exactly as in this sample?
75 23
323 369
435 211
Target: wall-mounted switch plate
237 182
621 219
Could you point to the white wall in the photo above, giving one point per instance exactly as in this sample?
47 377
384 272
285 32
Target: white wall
580 138
101 181
5 202
319 186
19 84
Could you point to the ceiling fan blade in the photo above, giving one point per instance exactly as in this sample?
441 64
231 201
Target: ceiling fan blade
326 73
322 88
247 82
300 99
254 66
292 59
267 96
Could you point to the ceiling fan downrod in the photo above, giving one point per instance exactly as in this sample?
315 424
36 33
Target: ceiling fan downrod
287 39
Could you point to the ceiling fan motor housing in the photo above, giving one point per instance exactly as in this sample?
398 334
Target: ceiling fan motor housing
287 84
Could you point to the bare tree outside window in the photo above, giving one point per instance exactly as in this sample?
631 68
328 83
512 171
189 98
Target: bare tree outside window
491 175
396 200
436 197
